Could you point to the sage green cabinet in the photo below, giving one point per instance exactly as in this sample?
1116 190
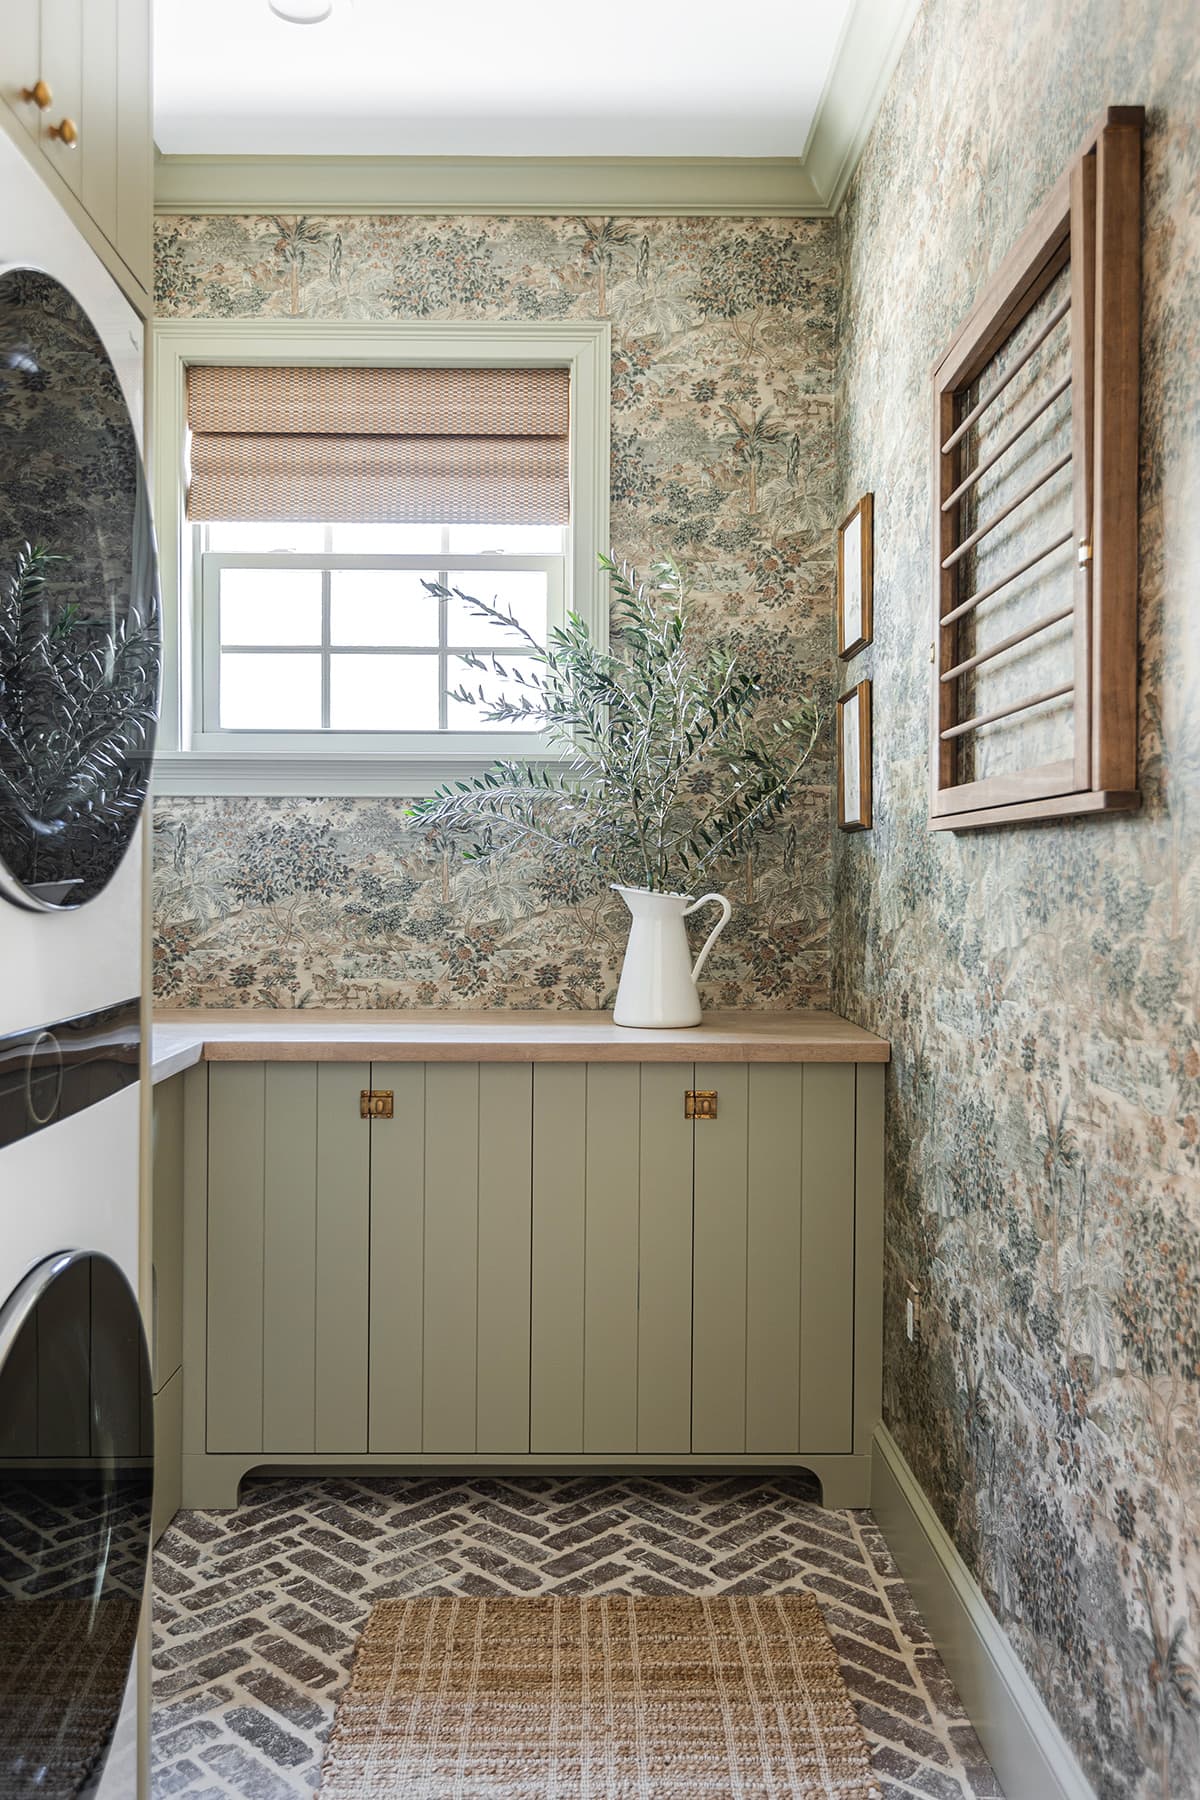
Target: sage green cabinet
546 1265
88 131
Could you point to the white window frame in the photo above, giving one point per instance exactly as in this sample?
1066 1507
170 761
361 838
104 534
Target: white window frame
192 760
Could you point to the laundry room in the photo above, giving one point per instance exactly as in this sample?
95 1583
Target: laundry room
599 900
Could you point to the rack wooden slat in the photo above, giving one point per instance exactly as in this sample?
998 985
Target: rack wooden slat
1008 643
1088 234
1014 437
1002 581
981 406
1008 712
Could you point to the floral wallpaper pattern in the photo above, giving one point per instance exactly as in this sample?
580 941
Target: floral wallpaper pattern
722 453
1040 984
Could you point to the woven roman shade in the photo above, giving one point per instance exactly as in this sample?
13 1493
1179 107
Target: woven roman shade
420 446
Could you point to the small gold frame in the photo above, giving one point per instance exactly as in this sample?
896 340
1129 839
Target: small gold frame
856 578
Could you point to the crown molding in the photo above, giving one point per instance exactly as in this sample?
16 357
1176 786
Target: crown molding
631 185
811 186
871 44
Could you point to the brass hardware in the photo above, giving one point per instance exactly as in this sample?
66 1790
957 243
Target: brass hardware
67 133
38 95
700 1103
1085 553
375 1103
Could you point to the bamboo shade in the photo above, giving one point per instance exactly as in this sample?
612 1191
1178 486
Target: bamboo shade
454 446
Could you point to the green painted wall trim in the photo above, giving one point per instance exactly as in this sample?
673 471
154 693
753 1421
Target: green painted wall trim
1026 1748
685 186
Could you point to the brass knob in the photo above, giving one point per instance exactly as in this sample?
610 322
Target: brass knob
38 95
67 133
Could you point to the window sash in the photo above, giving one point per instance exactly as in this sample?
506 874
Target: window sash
449 569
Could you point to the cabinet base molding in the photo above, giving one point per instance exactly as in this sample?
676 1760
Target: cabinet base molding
211 1483
1024 1745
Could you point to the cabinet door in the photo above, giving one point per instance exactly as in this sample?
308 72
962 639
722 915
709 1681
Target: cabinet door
62 69
20 60
450 1271
773 1261
612 1234
288 1246
134 141
97 152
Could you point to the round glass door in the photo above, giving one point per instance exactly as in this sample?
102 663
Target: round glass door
76 1481
79 612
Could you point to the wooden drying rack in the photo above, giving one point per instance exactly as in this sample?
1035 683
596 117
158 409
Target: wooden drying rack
1091 225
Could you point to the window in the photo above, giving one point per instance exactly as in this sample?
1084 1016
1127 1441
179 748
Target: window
310 657
311 629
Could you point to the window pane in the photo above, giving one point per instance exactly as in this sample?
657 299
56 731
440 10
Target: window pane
382 606
270 606
260 539
471 718
506 540
383 693
388 540
270 693
520 591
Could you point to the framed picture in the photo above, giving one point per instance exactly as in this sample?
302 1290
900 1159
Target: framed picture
854 758
855 577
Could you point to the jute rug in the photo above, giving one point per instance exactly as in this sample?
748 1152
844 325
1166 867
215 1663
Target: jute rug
604 1698
63 1668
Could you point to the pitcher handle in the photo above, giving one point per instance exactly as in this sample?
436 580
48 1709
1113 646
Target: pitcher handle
718 928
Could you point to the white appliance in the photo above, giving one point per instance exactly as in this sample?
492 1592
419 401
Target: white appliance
75 1413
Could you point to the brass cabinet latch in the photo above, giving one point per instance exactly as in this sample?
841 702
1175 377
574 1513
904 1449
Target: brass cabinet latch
375 1103
700 1103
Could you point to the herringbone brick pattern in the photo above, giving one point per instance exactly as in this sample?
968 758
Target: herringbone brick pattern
257 1611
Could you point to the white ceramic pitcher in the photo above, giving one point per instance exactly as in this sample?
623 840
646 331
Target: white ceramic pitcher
658 979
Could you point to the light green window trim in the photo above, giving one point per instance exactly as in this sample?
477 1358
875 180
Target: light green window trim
195 755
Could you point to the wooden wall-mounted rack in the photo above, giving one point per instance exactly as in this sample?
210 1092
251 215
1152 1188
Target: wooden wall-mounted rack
1035 430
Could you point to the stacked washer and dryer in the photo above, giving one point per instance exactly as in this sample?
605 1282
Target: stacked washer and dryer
79 665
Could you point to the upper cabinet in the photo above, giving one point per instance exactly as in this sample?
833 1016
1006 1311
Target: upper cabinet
76 81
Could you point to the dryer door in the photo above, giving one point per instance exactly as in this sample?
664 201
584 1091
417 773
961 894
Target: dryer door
76 1477
79 612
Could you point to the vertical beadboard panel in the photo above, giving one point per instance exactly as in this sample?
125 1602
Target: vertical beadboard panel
451 1255
773 1260
236 1117
560 1124
397 1261
343 1243
290 1256
868 1253
613 1172
505 1255
827 1259
719 1264
665 1262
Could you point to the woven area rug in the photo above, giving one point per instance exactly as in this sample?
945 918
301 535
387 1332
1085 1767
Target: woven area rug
63 1669
601 1698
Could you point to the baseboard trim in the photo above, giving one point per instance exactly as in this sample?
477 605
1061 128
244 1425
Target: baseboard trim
1026 1748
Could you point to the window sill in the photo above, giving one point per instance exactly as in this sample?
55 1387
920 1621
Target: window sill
315 776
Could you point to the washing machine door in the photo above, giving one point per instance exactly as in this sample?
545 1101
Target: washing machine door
76 1477
79 609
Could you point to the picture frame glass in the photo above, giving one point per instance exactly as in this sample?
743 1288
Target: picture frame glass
851 760
852 583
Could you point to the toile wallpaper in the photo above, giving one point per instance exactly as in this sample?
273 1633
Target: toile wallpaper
1040 985
723 454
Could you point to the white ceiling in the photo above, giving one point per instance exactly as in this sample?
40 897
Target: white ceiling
494 77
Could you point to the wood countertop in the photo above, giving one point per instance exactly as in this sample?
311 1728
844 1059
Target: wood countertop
184 1038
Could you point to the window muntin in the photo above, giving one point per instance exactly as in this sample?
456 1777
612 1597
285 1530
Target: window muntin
325 632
